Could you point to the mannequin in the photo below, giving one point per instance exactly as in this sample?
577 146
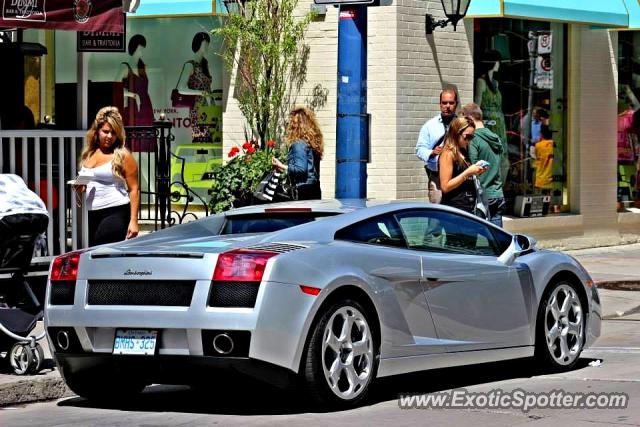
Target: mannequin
196 80
138 110
489 98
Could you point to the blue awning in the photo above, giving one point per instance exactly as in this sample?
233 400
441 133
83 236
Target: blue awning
607 13
633 6
174 7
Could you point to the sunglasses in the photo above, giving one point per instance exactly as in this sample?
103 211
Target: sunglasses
468 136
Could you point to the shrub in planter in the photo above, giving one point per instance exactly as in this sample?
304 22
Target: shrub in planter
235 181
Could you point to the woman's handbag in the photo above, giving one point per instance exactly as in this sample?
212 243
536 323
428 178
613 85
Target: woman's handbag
481 208
275 187
179 100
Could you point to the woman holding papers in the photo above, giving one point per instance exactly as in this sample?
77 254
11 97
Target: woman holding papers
112 194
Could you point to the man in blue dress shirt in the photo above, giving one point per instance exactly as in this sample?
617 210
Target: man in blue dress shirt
431 141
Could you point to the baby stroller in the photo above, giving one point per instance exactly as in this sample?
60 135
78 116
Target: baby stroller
20 309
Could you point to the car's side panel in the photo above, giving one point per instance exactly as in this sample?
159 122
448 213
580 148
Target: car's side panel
477 302
390 277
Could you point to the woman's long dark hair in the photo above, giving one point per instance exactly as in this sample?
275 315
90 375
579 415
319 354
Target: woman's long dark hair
134 42
198 39
489 59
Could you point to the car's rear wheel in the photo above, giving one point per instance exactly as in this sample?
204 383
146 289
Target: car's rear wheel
560 327
342 355
103 387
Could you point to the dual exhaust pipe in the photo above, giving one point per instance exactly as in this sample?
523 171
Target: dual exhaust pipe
222 343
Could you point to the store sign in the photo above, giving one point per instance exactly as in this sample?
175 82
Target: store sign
100 42
75 15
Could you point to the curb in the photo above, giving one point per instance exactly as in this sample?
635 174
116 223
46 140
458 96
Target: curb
33 390
619 285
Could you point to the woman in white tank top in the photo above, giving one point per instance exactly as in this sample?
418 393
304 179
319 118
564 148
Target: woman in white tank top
112 195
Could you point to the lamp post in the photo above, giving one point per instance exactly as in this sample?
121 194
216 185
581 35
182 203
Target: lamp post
454 10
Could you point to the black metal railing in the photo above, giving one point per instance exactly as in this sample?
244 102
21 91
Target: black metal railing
152 149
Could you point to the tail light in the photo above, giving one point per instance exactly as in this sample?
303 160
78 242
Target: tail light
65 267
242 265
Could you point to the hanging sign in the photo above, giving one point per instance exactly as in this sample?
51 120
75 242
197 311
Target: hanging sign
74 15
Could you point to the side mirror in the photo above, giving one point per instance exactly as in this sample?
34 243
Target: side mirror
519 244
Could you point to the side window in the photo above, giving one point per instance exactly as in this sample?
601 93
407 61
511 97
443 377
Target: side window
438 231
381 230
503 239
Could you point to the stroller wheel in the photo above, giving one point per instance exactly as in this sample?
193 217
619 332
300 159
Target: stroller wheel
38 357
21 358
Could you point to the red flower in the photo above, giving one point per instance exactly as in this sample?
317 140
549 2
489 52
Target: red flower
246 145
271 143
233 151
251 150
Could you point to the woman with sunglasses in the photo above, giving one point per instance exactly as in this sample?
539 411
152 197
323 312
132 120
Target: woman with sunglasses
456 172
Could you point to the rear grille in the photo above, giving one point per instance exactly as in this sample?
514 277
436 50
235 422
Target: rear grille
62 292
277 247
233 294
133 292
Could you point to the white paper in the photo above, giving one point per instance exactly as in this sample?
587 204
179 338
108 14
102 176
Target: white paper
84 177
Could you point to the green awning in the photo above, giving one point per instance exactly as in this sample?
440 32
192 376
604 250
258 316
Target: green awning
605 13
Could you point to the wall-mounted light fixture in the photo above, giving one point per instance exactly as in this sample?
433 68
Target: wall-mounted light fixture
454 10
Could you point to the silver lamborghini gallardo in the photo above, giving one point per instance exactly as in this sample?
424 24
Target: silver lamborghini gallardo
327 294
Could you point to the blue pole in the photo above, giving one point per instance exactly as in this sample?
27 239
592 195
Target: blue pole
352 143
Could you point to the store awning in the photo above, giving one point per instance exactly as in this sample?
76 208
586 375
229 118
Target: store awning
75 15
633 6
608 13
174 7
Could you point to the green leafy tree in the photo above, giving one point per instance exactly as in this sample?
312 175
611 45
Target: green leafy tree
264 44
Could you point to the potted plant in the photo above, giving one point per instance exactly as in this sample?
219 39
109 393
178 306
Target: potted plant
235 181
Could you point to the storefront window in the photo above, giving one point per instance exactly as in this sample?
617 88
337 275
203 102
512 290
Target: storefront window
628 119
170 66
526 107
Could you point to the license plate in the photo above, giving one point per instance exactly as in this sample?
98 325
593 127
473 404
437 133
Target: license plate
135 341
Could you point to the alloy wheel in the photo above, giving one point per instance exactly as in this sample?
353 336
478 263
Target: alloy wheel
347 353
564 325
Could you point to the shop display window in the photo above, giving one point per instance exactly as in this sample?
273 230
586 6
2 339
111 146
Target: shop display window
520 85
628 142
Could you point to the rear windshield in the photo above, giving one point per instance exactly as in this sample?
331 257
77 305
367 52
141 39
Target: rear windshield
268 222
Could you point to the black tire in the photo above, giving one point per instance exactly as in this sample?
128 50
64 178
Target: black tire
364 366
38 358
549 352
102 387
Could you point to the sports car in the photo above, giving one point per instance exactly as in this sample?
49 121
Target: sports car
328 295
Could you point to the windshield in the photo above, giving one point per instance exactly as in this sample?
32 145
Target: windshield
265 223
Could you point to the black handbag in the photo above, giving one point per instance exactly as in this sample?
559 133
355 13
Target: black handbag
179 100
275 186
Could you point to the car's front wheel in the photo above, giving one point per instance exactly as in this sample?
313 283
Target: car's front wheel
560 327
103 387
342 355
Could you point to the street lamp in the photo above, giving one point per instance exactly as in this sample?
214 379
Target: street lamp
454 10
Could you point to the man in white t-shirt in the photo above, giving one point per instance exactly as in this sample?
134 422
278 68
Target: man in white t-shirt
23 216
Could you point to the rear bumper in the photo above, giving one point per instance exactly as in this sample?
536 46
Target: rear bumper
277 325
184 370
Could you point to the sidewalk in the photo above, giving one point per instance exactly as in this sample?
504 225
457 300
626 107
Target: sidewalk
616 270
